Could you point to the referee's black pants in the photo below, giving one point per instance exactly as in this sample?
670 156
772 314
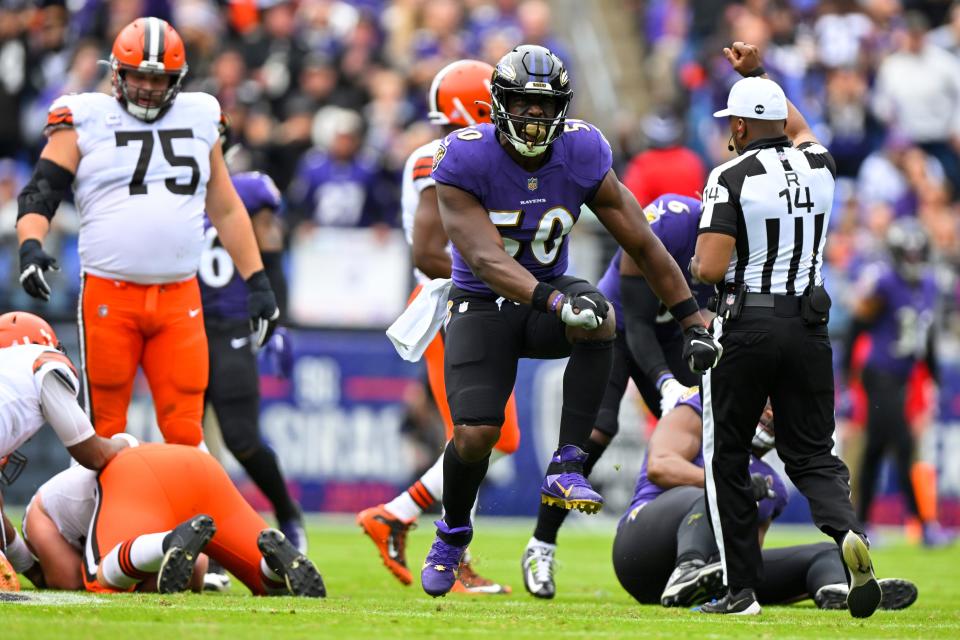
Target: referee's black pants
770 354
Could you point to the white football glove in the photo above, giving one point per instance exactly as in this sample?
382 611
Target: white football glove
582 311
670 393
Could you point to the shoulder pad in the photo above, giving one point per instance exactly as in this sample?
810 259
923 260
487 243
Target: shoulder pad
56 362
66 112
257 190
462 158
586 152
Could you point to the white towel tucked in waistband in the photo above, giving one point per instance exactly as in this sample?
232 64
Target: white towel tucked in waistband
413 331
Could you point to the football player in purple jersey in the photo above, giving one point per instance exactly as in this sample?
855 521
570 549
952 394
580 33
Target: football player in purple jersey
509 193
648 349
233 390
896 309
665 551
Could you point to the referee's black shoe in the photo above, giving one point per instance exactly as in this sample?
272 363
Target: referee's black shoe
864 595
742 603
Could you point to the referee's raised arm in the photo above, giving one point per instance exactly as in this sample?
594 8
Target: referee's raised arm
761 241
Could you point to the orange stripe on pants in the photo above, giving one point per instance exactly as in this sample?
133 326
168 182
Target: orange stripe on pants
510 431
124 325
154 487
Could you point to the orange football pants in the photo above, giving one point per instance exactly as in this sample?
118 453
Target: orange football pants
158 327
509 440
154 487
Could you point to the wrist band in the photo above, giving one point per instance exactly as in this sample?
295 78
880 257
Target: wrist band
541 296
685 308
756 73
557 302
663 378
131 441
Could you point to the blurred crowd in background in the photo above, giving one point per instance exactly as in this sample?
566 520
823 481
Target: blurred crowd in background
329 97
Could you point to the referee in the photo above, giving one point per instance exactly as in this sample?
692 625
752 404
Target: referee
761 240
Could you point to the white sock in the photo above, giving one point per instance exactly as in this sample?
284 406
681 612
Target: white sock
146 552
432 479
540 543
270 574
133 561
18 554
404 507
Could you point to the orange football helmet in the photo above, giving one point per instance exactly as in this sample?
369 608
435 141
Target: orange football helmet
20 327
460 94
148 45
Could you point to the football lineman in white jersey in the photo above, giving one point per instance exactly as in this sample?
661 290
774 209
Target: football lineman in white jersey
143 164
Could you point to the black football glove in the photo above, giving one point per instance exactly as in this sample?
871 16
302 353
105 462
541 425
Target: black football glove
700 350
262 306
762 486
34 261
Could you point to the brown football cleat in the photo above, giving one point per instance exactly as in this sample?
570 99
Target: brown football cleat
469 581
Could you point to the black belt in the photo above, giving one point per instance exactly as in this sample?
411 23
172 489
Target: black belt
782 305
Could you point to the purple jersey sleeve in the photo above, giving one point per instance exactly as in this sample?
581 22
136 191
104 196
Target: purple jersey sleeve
588 155
462 160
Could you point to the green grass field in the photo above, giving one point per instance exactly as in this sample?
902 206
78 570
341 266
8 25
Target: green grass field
365 601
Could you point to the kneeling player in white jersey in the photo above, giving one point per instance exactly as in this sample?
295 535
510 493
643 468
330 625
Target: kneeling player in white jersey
39 385
143 164
459 97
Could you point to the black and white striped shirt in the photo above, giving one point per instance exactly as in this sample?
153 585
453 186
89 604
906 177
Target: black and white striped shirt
775 199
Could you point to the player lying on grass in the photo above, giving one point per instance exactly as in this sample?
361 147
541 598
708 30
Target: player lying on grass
150 519
664 550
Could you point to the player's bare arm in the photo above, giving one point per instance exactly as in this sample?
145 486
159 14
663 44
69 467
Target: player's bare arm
674 443
618 211
61 149
230 217
268 231
430 253
470 229
709 264
95 452
37 203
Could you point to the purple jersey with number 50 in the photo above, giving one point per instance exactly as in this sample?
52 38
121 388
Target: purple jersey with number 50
223 291
533 211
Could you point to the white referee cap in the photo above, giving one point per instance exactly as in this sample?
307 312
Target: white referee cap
757 98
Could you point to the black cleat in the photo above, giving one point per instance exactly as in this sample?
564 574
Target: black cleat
744 603
864 595
693 582
299 574
895 593
183 544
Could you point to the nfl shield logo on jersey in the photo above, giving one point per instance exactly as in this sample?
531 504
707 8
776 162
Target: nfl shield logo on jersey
532 184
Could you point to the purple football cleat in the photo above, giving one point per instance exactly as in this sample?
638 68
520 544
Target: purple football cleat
565 485
442 565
